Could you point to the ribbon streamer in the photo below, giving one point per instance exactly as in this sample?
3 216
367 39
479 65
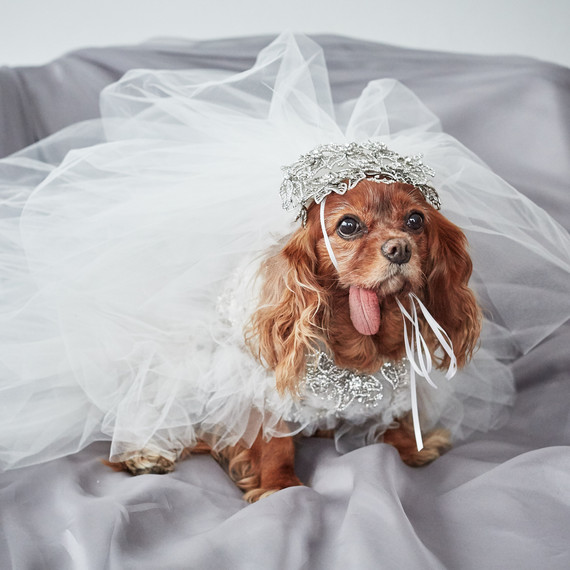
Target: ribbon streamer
326 236
423 366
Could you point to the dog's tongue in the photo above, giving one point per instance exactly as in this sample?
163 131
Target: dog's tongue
364 310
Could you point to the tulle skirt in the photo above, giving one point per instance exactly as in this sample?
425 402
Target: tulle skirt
130 244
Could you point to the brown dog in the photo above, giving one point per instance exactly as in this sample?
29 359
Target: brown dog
388 241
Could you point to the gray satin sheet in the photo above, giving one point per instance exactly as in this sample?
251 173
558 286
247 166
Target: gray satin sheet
497 500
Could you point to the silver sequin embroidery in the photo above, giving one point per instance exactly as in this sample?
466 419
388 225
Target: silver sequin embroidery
344 388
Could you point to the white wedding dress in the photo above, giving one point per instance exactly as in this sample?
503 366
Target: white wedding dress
129 246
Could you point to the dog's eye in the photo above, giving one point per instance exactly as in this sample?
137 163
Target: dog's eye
348 227
415 221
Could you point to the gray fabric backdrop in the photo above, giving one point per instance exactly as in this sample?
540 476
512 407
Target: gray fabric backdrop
498 500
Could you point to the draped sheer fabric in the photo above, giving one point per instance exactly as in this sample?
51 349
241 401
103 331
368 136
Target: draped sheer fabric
129 247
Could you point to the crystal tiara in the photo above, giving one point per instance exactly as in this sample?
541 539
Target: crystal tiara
339 168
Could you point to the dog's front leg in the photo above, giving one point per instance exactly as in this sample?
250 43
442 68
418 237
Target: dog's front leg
436 443
274 460
263 469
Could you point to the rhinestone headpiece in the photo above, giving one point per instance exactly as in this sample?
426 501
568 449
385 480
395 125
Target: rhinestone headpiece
339 168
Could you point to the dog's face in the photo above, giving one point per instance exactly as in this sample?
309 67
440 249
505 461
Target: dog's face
378 235
387 241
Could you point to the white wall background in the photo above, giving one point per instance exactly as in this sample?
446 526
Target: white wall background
35 31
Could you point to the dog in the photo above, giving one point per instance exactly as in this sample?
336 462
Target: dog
388 241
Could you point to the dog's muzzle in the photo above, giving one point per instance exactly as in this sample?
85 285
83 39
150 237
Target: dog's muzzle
397 250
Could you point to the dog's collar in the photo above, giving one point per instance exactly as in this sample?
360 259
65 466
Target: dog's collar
339 168
344 388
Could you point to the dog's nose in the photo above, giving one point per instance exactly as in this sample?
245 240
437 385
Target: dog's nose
397 250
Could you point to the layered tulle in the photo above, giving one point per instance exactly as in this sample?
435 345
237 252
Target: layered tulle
129 248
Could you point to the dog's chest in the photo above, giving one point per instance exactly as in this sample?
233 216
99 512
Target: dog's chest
331 393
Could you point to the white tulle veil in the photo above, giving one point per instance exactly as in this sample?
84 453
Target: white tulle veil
120 238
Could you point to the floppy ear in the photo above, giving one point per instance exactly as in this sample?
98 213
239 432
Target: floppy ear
447 295
289 317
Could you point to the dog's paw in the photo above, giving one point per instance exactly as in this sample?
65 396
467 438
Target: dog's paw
436 443
254 495
144 462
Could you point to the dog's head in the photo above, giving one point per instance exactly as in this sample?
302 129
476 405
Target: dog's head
387 241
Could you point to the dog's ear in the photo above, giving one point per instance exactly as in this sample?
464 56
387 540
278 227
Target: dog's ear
447 295
287 322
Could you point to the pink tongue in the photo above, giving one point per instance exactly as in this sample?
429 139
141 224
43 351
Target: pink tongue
364 310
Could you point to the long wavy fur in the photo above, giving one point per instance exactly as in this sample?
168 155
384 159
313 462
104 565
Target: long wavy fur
293 311
447 295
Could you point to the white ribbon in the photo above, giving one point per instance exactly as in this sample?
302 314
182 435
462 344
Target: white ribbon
326 236
423 366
